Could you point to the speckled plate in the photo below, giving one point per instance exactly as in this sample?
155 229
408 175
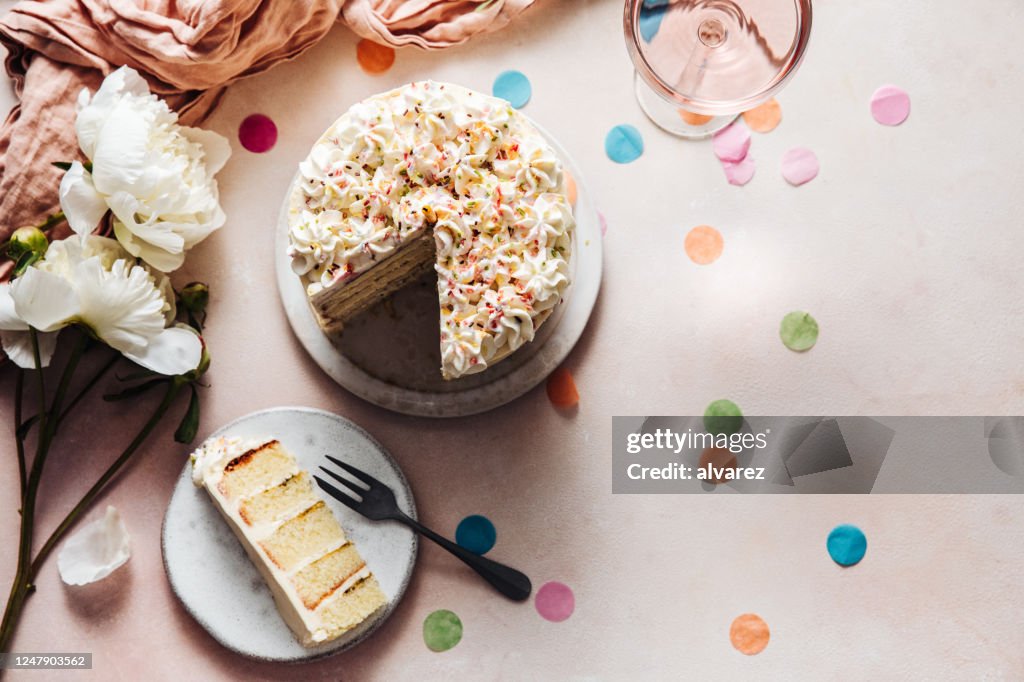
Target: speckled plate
389 355
217 583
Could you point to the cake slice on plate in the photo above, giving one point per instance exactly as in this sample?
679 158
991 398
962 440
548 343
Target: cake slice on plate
321 585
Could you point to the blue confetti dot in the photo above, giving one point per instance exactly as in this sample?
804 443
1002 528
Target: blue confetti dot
623 144
651 15
847 545
513 86
476 533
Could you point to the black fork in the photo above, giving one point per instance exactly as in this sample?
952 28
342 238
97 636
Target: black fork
377 502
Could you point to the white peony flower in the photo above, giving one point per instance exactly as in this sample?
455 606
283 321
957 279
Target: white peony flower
94 282
153 174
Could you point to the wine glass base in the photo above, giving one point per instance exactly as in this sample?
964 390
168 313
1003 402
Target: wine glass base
679 122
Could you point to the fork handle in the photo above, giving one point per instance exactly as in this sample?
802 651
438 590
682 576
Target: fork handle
507 580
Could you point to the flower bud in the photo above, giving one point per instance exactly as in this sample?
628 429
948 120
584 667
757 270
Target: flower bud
27 239
194 297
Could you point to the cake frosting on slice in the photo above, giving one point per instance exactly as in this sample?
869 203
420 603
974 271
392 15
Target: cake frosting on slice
321 585
433 175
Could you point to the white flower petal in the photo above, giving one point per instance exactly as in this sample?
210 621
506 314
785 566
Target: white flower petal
216 147
176 350
95 551
154 256
83 206
122 305
18 347
120 155
44 300
93 111
9 319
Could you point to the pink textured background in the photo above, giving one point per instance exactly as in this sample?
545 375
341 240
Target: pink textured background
905 248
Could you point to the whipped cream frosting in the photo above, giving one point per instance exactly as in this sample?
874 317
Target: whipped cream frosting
208 462
465 166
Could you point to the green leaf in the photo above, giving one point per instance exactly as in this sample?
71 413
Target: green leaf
189 426
137 389
63 165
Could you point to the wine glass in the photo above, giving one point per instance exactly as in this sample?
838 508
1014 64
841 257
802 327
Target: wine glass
701 63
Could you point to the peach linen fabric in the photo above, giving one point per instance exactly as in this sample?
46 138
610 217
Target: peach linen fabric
188 50
428 23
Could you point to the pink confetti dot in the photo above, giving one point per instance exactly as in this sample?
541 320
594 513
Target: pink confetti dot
739 173
731 143
555 601
257 133
604 223
890 105
799 165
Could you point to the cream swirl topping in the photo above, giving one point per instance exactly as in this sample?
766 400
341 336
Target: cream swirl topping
467 167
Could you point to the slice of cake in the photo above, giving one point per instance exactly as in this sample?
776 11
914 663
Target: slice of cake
321 586
433 175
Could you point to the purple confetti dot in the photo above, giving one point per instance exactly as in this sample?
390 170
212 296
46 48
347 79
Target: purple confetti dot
258 133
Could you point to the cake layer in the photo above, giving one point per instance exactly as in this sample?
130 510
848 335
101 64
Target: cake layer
255 470
327 574
308 536
281 502
335 306
353 606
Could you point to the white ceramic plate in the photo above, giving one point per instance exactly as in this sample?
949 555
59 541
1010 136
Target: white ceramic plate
390 356
217 583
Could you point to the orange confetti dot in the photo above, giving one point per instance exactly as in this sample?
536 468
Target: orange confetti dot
749 634
690 118
570 187
704 244
765 117
720 459
562 388
374 57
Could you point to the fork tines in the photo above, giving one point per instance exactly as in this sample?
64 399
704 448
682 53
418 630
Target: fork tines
359 475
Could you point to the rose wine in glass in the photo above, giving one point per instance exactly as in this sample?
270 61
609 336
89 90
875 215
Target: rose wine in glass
701 63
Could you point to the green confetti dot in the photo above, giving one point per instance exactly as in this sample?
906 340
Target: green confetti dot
799 331
723 416
442 630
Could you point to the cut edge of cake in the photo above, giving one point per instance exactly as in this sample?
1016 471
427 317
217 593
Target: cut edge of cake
320 583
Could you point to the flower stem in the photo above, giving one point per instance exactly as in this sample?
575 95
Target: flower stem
89 385
22 581
24 575
55 219
173 388
19 394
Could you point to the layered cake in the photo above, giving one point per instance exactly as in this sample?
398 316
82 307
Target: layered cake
321 585
435 176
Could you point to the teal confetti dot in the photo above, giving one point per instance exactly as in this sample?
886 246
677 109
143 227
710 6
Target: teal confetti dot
847 544
623 144
476 533
513 86
442 630
723 416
